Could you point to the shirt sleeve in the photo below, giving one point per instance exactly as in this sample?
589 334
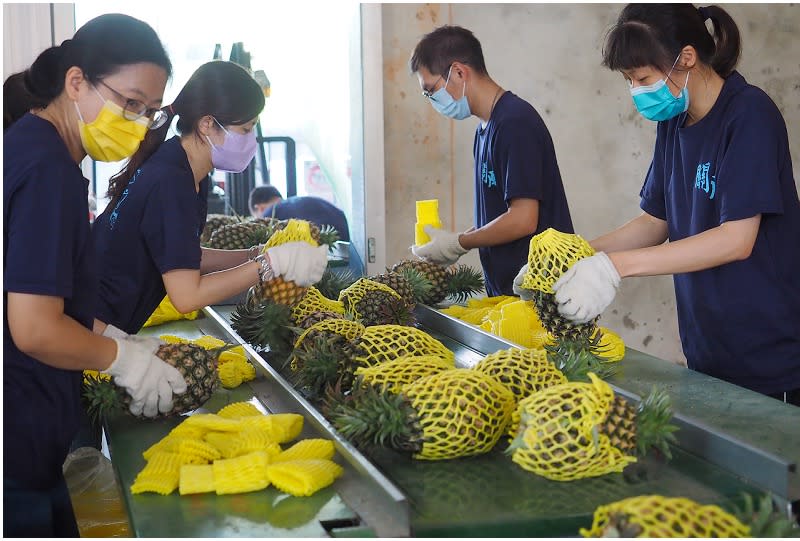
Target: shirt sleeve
170 223
652 192
47 221
748 176
521 151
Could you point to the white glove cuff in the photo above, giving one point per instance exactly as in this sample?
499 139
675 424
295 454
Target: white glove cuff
114 332
610 269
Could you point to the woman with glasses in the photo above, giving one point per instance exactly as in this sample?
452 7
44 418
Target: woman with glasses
720 189
61 109
148 238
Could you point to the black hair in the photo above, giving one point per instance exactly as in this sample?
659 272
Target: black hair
437 51
655 34
222 89
263 194
100 47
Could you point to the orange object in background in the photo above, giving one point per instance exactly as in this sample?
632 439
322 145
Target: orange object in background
427 214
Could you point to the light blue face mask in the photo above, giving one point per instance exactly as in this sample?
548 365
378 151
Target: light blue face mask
656 102
443 102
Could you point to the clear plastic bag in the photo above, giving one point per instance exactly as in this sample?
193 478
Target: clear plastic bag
96 497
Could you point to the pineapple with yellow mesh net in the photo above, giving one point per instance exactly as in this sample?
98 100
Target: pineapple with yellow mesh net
392 376
653 515
452 414
577 430
374 303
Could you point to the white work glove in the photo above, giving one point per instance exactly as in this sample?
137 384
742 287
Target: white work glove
524 294
299 262
587 288
113 332
443 249
149 380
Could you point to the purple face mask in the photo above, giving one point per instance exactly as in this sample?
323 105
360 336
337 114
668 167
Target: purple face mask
236 151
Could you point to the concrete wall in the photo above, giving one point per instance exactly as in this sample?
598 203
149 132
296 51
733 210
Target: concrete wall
549 54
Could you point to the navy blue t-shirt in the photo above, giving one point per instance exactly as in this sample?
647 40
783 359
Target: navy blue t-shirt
153 228
46 251
515 158
313 209
740 321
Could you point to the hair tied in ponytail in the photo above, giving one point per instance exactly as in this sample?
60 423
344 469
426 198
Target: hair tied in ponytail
704 13
171 110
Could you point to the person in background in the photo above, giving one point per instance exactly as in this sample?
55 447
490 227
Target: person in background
148 237
96 94
267 202
720 189
518 188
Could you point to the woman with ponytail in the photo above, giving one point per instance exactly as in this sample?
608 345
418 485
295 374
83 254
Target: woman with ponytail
148 238
95 94
720 189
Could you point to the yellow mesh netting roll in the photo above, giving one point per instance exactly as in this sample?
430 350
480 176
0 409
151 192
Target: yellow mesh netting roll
550 254
381 343
659 516
312 448
461 412
558 436
392 376
303 477
314 301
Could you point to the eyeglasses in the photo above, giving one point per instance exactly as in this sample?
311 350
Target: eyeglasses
429 93
134 110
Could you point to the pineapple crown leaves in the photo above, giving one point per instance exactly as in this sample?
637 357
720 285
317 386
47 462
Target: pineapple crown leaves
577 357
762 517
328 235
463 281
653 428
101 397
319 366
333 282
265 324
374 418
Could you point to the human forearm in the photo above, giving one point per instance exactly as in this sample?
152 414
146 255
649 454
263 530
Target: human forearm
731 241
520 220
641 232
40 329
189 290
213 260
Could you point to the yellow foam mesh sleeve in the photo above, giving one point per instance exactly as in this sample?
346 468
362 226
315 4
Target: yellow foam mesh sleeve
303 477
550 254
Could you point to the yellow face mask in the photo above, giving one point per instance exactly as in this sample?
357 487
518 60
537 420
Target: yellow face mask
111 137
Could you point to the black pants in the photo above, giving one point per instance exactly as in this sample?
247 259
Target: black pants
790 397
38 513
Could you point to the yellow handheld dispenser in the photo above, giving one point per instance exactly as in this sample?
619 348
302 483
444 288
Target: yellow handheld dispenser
427 214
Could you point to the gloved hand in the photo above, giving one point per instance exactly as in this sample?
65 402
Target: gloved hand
587 288
150 341
299 262
149 380
113 332
524 294
443 249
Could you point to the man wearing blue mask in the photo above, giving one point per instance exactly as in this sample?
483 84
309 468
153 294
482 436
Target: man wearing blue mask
518 188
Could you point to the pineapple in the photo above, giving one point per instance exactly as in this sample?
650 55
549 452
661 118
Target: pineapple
392 376
316 317
279 290
577 430
264 325
214 222
334 281
242 235
314 302
197 364
410 285
452 414
458 283
375 304
659 516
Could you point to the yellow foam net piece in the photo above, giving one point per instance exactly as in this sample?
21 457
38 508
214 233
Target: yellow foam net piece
213 422
558 436
310 448
295 230
236 410
313 302
343 327
611 347
280 427
303 477
166 311
462 413
393 375
196 479
233 373
550 254
659 516
160 475
196 451
242 443
352 295
380 343
246 473
522 371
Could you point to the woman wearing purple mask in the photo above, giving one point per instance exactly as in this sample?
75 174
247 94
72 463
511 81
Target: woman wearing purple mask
148 237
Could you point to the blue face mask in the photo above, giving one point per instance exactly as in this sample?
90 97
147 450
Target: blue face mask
443 102
656 102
